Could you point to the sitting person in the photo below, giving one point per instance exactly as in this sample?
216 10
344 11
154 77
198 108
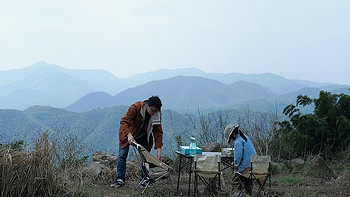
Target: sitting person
243 150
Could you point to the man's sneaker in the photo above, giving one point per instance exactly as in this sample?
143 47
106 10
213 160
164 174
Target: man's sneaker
119 182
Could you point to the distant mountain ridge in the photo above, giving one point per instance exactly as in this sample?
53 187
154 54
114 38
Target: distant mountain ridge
178 93
183 93
52 85
278 84
47 84
97 128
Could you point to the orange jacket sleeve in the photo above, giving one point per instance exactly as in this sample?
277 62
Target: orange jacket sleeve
158 136
126 122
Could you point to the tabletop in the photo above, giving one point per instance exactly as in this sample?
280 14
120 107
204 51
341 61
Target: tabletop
206 153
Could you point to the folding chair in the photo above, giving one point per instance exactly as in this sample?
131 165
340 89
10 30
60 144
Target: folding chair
207 169
259 172
152 169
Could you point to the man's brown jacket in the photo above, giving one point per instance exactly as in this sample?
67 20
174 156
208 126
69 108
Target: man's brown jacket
132 122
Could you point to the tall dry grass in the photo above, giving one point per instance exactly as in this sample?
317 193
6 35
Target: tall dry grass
31 172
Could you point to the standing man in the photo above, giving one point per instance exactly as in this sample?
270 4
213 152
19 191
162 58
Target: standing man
142 123
243 150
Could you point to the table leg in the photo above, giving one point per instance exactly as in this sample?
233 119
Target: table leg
178 176
189 181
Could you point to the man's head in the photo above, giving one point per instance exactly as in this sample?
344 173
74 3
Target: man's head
231 132
154 105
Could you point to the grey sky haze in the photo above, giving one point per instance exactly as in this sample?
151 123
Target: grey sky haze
298 39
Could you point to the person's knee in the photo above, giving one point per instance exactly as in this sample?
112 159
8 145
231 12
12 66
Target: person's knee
121 158
123 153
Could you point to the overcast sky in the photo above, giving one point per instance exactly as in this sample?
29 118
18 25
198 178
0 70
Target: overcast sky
298 39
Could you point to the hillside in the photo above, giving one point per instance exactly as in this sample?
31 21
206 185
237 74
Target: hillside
188 93
278 84
182 92
91 101
281 101
179 93
252 91
97 128
52 85
47 84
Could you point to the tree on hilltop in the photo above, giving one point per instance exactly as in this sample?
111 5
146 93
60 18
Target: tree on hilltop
325 131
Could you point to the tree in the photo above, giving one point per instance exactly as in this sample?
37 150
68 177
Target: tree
261 127
325 131
208 126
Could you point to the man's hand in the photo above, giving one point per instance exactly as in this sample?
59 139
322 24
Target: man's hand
159 154
130 138
236 168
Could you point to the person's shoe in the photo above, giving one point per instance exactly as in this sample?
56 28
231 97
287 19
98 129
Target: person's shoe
119 182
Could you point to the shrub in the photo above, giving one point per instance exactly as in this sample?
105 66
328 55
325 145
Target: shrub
289 180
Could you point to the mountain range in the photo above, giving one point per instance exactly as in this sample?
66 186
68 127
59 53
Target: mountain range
90 103
181 89
47 84
179 93
97 129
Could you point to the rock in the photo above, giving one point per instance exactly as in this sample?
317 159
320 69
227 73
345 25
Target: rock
131 166
112 175
105 158
104 166
298 161
278 167
96 169
211 147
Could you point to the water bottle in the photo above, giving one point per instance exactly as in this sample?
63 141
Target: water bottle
193 146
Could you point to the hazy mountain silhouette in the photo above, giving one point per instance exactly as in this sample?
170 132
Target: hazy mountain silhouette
91 101
182 92
47 84
252 91
178 93
52 85
143 78
278 84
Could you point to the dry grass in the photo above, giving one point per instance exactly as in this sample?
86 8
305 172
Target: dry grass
50 166
40 170
30 173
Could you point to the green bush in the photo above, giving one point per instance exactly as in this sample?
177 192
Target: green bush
13 146
289 180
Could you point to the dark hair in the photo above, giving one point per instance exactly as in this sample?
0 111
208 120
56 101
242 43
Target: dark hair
154 101
241 134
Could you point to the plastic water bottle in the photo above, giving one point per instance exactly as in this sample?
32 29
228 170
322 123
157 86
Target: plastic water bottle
193 146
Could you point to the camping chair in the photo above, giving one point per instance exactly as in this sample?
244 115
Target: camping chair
207 169
259 172
152 169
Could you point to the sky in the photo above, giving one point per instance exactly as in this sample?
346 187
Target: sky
297 39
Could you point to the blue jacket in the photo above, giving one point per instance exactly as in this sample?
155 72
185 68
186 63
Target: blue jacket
242 152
